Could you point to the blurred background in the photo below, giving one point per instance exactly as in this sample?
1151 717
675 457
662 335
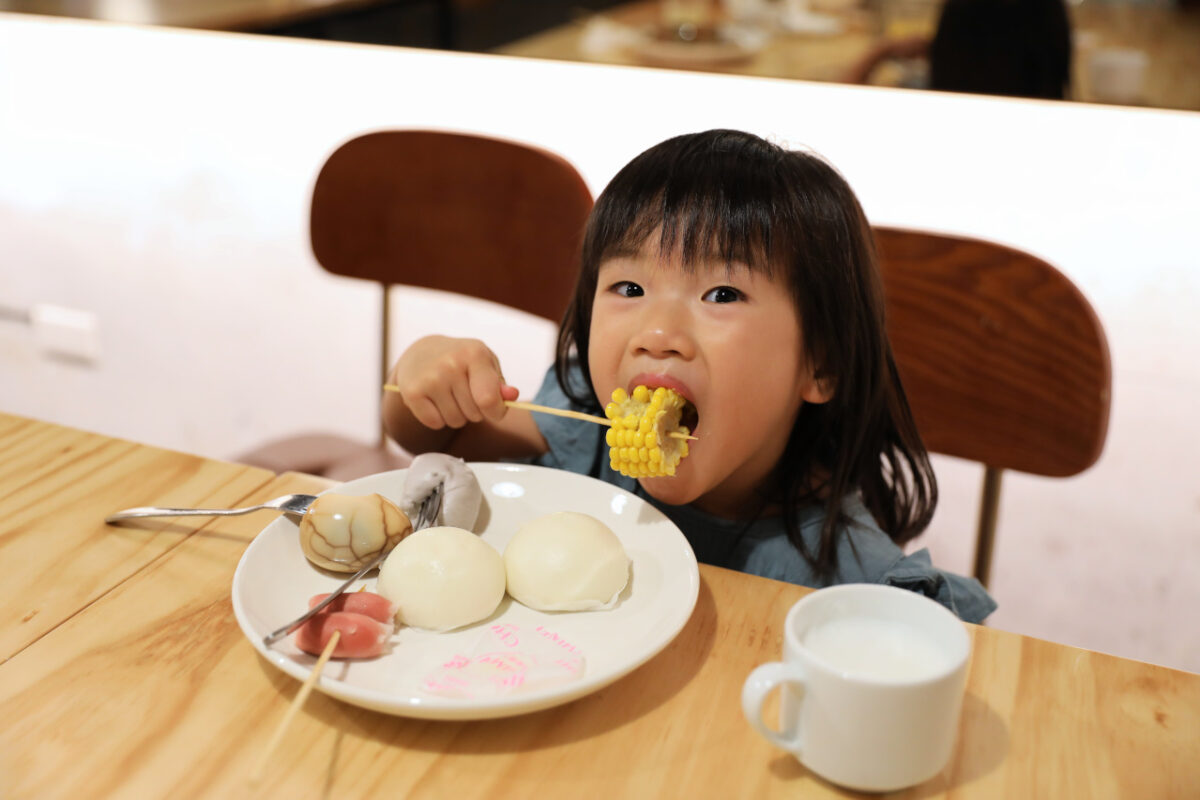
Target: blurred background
1129 52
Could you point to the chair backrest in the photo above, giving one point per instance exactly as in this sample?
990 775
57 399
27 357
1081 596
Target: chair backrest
469 214
1003 359
478 216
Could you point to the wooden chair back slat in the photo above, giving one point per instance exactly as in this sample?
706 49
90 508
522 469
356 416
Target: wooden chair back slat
469 214
1002 357
477 216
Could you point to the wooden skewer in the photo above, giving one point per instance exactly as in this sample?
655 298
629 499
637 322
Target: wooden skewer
562 412
558 412
297 701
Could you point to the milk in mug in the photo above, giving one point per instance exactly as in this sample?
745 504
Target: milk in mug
875 677
877 649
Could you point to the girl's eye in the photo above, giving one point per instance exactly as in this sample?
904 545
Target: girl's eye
627 289
723 294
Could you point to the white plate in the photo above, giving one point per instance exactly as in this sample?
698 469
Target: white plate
274 580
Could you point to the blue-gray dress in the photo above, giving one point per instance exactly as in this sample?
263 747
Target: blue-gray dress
865 554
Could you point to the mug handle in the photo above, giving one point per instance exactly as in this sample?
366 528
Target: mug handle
758 685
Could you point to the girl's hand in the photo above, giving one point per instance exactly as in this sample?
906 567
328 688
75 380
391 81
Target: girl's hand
447 383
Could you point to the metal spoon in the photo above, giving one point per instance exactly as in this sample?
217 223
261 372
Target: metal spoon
288 504
431 506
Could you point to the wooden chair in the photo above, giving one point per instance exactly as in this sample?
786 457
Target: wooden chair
469 214
1003 360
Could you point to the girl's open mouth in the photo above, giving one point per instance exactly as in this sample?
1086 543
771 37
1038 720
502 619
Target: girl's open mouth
689 417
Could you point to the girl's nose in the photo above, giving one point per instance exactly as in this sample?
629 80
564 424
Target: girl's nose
664 333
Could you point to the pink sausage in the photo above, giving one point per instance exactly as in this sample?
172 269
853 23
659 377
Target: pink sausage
375 606
362 637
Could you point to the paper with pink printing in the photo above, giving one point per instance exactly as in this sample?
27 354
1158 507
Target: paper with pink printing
507 659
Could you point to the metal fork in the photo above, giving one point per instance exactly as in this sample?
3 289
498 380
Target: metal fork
288 504
431 506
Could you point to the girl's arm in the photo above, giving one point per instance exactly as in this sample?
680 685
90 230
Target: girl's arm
451 400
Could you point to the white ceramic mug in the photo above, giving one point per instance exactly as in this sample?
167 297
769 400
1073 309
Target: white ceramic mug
871 684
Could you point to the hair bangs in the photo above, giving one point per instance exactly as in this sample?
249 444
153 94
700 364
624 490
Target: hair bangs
703 205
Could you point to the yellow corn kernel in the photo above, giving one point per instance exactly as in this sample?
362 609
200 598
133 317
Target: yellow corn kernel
639 444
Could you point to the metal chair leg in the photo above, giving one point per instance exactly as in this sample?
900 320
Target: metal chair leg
989 510
385 327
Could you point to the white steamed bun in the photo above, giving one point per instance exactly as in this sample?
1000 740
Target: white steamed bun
566 561
442 578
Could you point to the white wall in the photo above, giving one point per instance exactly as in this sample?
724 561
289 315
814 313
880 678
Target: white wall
160 180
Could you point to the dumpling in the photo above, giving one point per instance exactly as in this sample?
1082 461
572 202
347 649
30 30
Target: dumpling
566 561
461 495
443 578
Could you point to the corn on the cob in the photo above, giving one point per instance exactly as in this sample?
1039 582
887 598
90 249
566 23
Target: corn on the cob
639 441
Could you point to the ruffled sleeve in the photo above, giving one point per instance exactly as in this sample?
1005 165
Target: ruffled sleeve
966 597
573 445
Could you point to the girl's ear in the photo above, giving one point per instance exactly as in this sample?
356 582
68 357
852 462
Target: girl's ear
819 388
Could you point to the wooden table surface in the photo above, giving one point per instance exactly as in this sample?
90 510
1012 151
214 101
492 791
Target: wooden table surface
125 675
1167 35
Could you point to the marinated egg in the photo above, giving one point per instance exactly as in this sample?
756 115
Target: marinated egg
344 532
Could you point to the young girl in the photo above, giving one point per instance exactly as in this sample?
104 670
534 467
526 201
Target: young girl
743 276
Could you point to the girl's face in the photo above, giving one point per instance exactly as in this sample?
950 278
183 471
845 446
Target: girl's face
728 340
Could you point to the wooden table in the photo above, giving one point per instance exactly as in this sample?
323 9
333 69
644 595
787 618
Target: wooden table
124 674
1168 36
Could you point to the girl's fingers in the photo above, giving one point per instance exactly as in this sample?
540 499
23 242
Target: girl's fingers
450 382
465 401
506 392
425 410
487 389
447 403
448 413
453 391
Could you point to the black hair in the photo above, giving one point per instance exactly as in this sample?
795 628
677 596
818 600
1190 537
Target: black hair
791 215
1020 48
